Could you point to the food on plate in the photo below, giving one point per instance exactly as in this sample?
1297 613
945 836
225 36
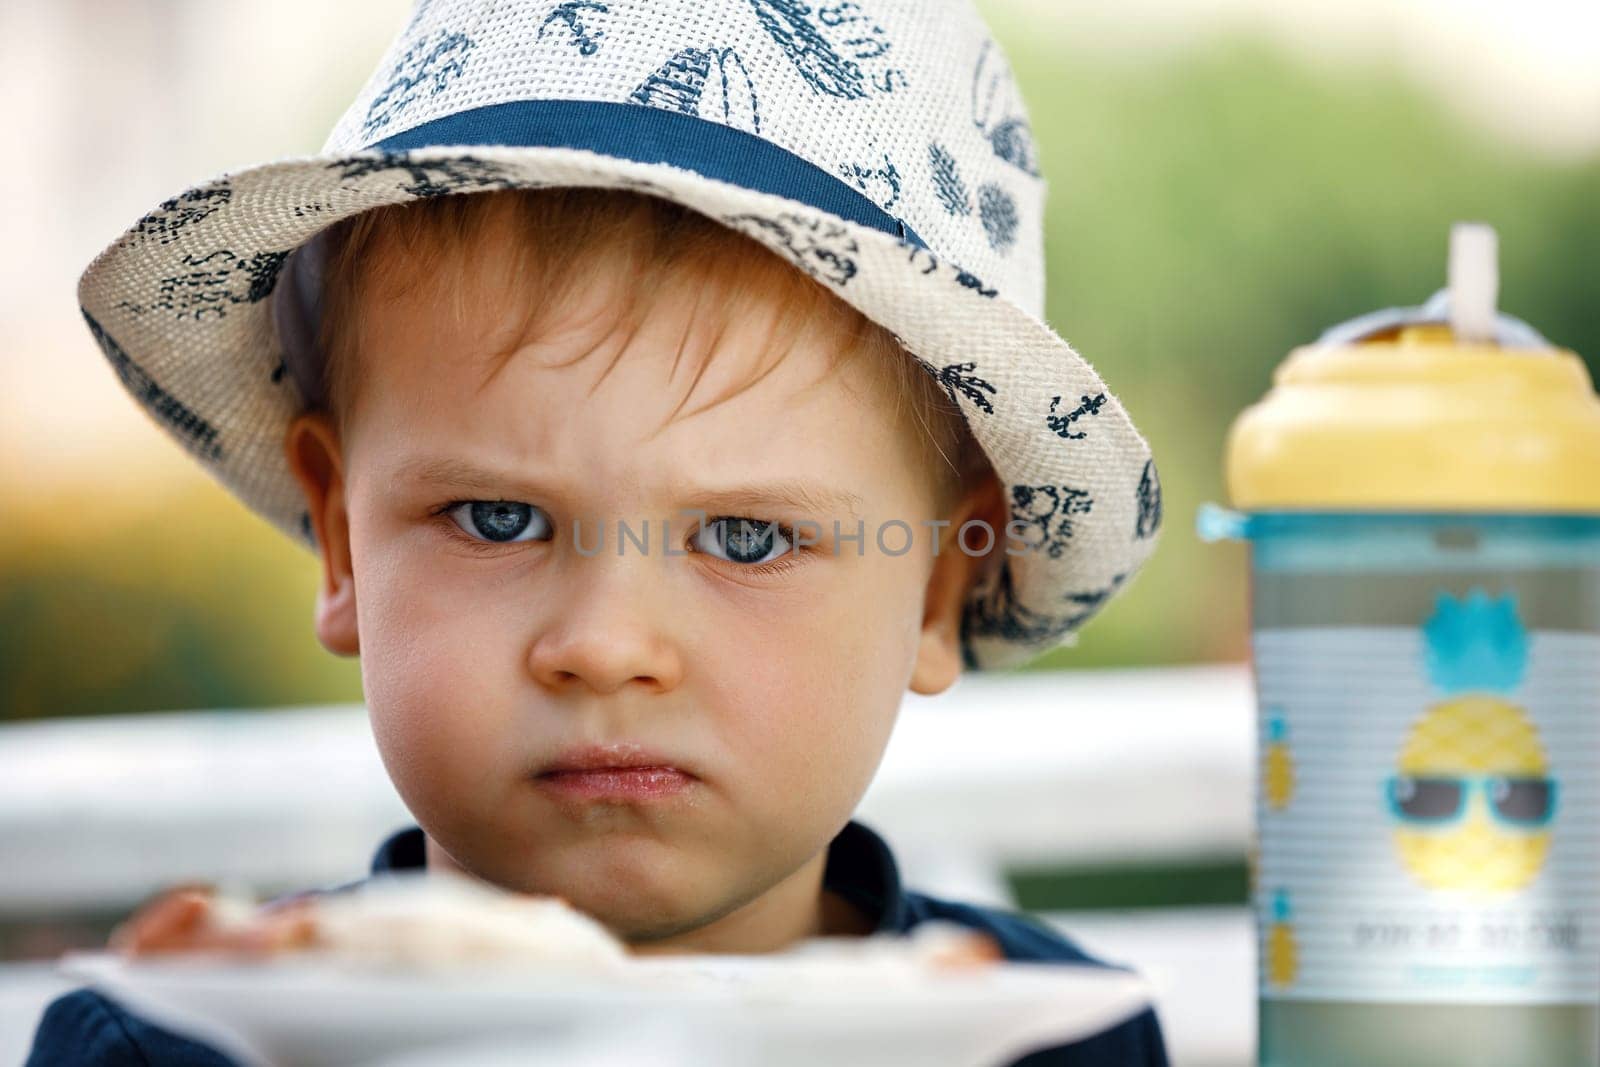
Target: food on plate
427 921
421 922
401 920
936 944
199 918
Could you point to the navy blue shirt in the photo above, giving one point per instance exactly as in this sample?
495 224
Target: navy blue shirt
82 1027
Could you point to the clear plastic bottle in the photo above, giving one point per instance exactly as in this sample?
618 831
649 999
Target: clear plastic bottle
1420 492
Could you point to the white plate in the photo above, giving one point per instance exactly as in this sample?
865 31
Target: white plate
728 1011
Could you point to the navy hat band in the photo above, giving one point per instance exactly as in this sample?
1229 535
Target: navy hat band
648 134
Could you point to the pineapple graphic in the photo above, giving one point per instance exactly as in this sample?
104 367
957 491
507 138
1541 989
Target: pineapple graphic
1277 773
1282 951
1474 797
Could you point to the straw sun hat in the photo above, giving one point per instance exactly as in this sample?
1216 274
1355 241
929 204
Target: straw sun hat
879 145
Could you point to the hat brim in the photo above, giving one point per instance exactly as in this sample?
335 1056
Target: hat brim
179 305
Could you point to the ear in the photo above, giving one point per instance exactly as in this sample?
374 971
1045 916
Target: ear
955 568
312 447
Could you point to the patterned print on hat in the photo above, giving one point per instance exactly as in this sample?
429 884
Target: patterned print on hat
880 146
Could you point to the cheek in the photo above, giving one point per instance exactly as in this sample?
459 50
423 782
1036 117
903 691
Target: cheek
806 696
434 673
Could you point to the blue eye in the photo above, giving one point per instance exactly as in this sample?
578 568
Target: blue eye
500 521
747 541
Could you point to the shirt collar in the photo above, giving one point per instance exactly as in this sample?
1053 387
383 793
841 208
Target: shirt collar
860 867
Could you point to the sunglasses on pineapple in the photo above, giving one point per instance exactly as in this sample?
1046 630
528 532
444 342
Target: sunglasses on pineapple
1523 802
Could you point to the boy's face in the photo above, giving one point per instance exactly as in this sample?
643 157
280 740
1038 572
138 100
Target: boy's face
483 661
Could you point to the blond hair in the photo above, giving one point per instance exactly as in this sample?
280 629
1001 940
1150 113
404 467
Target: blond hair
567 236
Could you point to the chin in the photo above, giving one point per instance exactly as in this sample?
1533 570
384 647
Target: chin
646 915
648 933
632 893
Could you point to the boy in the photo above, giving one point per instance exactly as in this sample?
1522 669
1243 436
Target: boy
641 532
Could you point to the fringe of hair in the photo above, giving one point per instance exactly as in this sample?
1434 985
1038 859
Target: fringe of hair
646 248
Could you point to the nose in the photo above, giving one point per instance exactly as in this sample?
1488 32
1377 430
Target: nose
606 630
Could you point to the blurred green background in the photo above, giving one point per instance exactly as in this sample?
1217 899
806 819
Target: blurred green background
1209 208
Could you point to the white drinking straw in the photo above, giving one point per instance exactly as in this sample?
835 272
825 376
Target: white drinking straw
1474 282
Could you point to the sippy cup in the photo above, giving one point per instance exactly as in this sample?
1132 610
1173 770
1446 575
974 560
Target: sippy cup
1420 493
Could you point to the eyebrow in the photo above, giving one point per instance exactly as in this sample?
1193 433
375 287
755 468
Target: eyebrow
797 495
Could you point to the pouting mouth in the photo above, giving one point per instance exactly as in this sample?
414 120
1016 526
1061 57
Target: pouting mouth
650 769
623 756
626 785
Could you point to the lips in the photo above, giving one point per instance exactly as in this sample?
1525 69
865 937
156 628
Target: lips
637 785
616 773
615 758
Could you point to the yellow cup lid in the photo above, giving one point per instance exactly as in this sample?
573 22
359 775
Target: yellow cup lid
1400 411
